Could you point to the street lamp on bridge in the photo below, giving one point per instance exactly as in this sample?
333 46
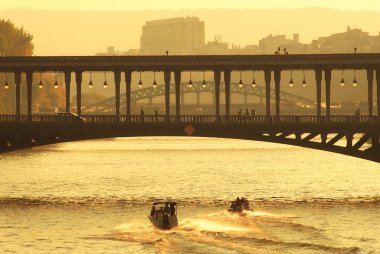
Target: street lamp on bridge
90 84
55 83
105 85
291 83
190 82
154 80
140 82
304 79
40 85
342 83
254 80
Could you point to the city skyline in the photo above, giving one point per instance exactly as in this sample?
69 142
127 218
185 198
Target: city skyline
95 31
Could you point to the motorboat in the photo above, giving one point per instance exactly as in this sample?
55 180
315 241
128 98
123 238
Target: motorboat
239 206
164 218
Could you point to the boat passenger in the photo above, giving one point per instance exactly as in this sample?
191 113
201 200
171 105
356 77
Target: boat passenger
167 209
237 202
153 211
172 209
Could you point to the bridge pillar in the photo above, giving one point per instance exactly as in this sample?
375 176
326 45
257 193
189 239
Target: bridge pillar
167 77
277 79
370 91
67 85
217 93
128 79
378 90
227 90
29 82
117 77
177 80
18 88
318 79
268 77
78 79
328 91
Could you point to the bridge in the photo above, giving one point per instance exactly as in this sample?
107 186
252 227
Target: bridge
356 136
149 93
360 134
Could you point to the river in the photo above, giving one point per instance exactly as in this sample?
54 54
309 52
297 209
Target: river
94 197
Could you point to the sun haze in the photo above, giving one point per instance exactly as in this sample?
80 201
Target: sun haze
124 5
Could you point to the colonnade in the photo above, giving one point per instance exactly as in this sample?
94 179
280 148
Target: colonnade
319 78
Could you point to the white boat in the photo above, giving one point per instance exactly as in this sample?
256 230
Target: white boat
164 218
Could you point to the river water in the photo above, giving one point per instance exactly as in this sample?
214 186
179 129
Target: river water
94 197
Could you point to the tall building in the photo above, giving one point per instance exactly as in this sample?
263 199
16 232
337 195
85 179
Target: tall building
179 36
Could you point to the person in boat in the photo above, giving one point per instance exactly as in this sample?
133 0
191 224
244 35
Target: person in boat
237 202
172 209
167 209
153 211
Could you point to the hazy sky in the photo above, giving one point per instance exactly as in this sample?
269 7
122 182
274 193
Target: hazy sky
116 5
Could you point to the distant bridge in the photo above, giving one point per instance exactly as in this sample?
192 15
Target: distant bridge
108 105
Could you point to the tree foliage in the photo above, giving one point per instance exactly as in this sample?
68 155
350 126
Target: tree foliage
14 41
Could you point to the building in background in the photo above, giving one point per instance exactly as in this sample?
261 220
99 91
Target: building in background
179 36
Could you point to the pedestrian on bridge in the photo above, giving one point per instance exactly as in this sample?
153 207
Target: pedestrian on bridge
156 115
142 118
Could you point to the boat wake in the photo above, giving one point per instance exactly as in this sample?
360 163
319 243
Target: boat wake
221 232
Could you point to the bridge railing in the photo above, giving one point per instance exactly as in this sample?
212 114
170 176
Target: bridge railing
243 119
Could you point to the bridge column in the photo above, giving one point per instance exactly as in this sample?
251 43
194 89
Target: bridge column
117 77
268 76
277 79
370 91
128 79
177 80
318 79
217 77
328 91
67 85
378 90
18 88
167 77
29 82
78 79
227 90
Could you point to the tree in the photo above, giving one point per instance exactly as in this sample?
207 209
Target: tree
14 41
